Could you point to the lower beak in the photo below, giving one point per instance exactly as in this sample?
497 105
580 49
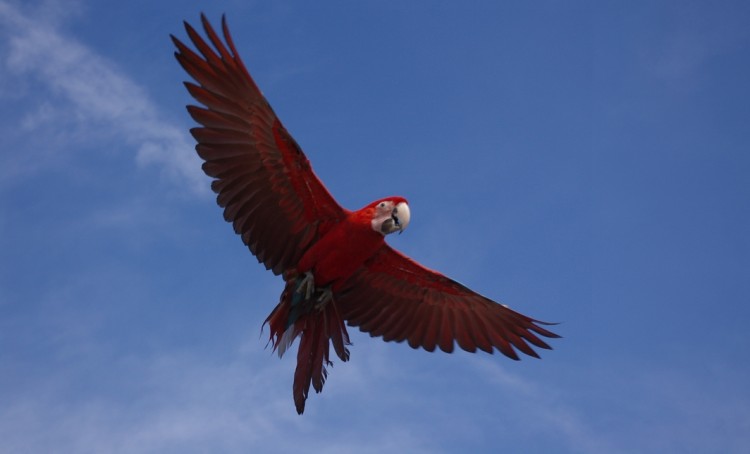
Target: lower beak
389 226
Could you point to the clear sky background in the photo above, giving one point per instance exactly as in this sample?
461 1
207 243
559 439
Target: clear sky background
584 162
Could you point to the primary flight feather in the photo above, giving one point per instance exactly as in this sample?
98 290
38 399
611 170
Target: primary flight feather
336 265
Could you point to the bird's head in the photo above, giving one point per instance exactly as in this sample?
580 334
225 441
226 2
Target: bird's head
390 215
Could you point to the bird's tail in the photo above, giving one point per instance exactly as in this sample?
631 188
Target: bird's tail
301 314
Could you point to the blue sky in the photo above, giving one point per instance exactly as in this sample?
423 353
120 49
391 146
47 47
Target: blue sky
583 162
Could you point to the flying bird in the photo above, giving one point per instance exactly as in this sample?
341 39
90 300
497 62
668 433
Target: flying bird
337 268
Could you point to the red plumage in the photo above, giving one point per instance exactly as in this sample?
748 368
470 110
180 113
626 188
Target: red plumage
335 263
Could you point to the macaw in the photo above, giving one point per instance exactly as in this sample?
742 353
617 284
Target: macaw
337 268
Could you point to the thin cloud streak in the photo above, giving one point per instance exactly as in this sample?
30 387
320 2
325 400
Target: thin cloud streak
184 403
636 407
535 401
92 93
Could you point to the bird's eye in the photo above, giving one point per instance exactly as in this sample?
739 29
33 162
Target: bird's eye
382 204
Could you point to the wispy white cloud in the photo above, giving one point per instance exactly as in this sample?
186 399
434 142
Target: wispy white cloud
184 405
87 98
183 402
542 407
629 407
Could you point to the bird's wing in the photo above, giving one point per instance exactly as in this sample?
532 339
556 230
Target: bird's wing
263 180
397 298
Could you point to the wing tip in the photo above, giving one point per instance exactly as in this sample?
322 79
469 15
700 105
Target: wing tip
544 332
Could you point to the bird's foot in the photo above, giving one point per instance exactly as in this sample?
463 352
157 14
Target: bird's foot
323 299
307 286
307 290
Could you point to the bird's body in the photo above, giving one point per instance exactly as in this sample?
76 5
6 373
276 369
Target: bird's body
336 265
342 250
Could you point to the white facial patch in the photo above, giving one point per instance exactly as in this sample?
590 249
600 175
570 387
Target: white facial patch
390 218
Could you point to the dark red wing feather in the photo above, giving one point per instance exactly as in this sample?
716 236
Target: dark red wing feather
397 298
264 181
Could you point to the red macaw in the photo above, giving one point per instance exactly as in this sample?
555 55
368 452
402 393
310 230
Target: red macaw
335 262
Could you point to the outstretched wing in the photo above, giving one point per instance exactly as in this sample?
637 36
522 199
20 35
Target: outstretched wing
263 180
397 298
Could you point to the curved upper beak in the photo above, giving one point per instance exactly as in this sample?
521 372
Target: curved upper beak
398 220
401 216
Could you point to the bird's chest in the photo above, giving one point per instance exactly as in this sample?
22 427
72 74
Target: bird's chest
339 253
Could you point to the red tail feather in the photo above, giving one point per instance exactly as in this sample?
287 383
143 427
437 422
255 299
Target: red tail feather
316 327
